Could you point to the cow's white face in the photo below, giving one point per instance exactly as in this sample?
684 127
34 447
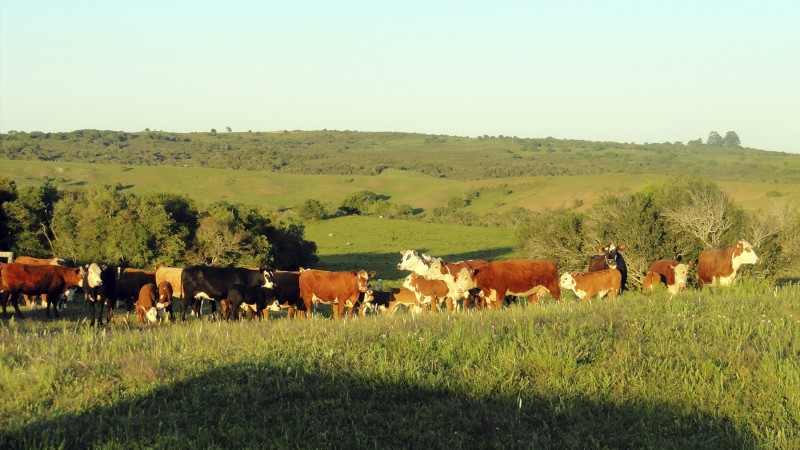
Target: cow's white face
415 261
363 279
269 279
744 254
151 315
681 276
93 276
567 281
464 280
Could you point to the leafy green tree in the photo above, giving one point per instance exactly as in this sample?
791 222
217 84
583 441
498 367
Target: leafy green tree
732 139
8 193
358 203
715 140
311 209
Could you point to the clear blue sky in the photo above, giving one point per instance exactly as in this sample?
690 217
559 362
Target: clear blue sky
625 71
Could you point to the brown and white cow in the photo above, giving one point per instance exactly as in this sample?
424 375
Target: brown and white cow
458 277
718 266
130 282
416 262
670 272
530 278
340 289
165 294
609 257
387 302
52 281
172 275
148 304
427 292
587 285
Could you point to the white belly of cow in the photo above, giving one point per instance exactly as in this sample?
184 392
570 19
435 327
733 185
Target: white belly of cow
529 292
725 281
202 296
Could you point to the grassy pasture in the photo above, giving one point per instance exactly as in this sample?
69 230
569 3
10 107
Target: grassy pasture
276 190
717 369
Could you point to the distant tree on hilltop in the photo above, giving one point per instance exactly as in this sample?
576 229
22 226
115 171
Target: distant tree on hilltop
732 139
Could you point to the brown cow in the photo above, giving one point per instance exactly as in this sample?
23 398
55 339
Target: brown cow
668 271
37 280
165 294
171 275
31 300
720 265
587 285
130 282
146 307
530 278
427 292
339 288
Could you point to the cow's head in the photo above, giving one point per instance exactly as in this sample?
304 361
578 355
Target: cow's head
611 254
363 279
368 303
743 253
567 280
415 261
93 275
269 277
681 275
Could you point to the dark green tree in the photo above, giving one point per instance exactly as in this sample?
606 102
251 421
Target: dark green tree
715 140
732 139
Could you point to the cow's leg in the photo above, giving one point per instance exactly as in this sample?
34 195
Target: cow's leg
13 297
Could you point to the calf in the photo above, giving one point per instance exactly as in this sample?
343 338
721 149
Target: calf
130 282
165 294
148 306
670 272
718 266
387 302
587 285
37 280
253 299
458 285
427 292
609 257
286 297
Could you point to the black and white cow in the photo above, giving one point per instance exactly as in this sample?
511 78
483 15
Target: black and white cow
100 288
252 299
609 257
212 283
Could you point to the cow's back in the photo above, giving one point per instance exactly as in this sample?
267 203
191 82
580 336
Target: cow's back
328 286
517 276
663 270
714 262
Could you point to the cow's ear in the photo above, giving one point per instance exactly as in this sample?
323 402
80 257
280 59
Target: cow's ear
600 249
671 267
690 265
621 247
372 274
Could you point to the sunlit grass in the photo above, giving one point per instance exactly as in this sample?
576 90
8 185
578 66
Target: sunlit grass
714 369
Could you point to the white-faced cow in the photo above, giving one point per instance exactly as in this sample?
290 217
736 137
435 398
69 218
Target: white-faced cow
458 278
100 289
416 262
340 289
429 293
530 278
31 300
212 283
718 266
673 274
609 257
387 302
37 280
587 285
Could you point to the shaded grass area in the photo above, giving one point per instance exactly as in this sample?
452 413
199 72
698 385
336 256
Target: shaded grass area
718 369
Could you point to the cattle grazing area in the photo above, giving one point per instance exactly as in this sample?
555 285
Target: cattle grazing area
717 368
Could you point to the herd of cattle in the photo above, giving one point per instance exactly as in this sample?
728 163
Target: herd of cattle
431 285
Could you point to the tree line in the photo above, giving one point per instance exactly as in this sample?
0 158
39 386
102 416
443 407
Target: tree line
120 228
675 219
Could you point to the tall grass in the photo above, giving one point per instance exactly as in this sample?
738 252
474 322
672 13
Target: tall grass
712 369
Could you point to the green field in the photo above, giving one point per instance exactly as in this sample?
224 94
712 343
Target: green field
279 191
701 370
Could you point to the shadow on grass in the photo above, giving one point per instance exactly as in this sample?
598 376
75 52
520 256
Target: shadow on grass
262 405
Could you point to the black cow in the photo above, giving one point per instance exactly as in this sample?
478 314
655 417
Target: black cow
253 298
609 257
212 283
100 289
